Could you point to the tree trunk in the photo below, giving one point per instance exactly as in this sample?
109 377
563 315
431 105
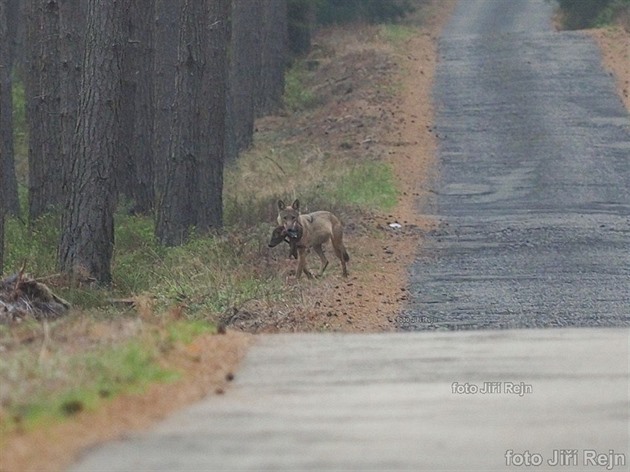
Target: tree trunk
166 31
135 168
176 214
72 15
244 69
88 225
210 174
194 169
301 18
34 111
43 92
7 53
3 91
273 57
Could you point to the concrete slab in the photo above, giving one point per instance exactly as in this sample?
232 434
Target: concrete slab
409 401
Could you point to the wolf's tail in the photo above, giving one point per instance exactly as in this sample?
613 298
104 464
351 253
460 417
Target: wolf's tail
346 256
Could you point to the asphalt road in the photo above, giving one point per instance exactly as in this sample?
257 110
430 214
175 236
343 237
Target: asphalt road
533 193
404 402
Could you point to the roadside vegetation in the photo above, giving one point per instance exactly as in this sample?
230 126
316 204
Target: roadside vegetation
580 14
116 339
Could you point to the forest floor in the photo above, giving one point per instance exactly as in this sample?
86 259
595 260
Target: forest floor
374 99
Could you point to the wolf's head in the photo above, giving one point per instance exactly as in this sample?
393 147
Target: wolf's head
289 216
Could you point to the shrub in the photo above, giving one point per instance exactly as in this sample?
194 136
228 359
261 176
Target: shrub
372 11
589 13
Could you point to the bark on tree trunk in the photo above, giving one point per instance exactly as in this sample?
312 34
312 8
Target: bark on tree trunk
3 111
273 57
176 213
192 188
301 18
136 157
244 69
88 225
45 177
166 30
7 52
72 15
210 175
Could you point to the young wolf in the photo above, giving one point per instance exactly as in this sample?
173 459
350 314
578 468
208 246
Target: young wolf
317 228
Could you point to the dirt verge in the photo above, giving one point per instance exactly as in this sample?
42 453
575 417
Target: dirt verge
614 43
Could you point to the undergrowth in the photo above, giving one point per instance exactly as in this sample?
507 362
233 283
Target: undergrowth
593 13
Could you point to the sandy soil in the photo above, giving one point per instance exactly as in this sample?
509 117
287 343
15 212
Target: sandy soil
614 43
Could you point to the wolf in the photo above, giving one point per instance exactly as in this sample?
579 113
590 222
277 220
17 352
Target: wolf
316 229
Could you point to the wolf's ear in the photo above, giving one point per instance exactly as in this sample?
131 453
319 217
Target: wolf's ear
281 205
296 204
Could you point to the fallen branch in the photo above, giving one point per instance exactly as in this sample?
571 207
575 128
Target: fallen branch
22 296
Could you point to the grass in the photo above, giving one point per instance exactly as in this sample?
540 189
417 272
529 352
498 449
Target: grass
618 11
93 378
369 185
297 96
20 128
31 245
186 332
593 13
397 34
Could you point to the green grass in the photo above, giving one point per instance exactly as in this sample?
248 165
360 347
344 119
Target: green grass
185 332
212 275
369 186
20 128
137 255
617 9
124 369
593 13
92 378
71 384
35 247
297 96
397 34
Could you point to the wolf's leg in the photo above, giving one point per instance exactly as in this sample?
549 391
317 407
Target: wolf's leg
340 249
302 264
322 257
